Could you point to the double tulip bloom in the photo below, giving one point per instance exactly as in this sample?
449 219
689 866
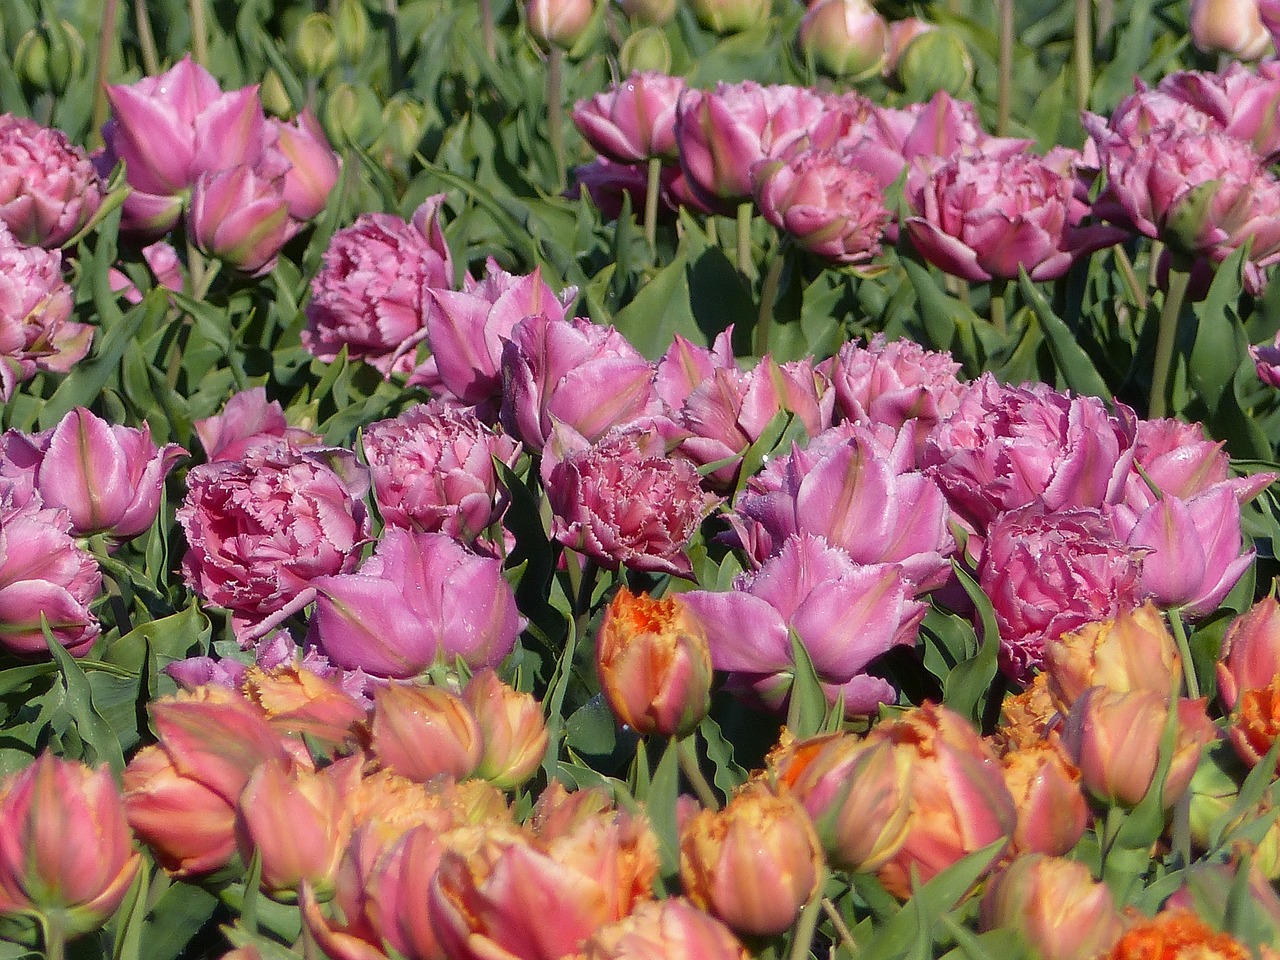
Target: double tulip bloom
48 188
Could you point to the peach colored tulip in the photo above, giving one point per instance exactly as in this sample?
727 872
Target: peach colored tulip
1056 905
422 732
512 730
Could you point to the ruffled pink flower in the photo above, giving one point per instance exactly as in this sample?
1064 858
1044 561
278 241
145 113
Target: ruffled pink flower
1241 102
35 303
634 120
433 470
259 530
43 573
845 614
686 364
48 187
371 294
825 203
1048 573
983 218
1266 358
623 501
422 598
1006 447
246 423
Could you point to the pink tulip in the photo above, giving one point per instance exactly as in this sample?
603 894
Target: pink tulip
1055 905
511 727
672 928
162 260
313 166
1045 786
169 129
1049 572
845 614
633 121
1250 656
44 574
248 422
433 470
1232 27
1236 100
825 203
845 38
35 305
241 218
686 364
607 184
422 598
558 23
261 529
424 732
1266 359
108 478
48 188
371 294
624 501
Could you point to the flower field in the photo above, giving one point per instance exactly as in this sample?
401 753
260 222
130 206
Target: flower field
630 479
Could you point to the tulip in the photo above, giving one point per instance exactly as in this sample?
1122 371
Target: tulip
1056 905
829 207
1176 933
300 703
1027 717
421 599
650 12
845 615
246 422
1045 786
753 864
1255 721
313 166
654 664
686 364
1250 655
959 801
671 928
730 16
558 23
1131 651
511 728
48 188
314 45
433 470
635 120
240 218
35 305
66 854
108 478
1266 359
297 821
371 294
845 38
647 50
1237 100
856 792
902 33
1232 27
423 732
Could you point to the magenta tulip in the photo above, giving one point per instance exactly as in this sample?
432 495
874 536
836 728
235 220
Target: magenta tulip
635 120
48 187
313 166
241 218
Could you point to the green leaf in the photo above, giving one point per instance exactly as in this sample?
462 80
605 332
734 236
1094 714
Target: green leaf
807 706
659 311
967 685
660 805
174 919
728 774
92 727
1078 371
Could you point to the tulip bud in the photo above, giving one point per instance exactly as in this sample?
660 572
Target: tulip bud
240 218
403 124
654 664
422 732
672 929
511 727
352 114
275 98
314 167
1057 907
901 35
753 864
352 26
559 23
845 38
857 793
1250 655
315 45
652 13
645 50
50 56
730 16
66 853
933 61
1045 786
1233 27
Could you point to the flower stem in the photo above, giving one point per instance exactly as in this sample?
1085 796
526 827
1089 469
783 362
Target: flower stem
555 112
1083 53
1138 291
744 238
1158 404
807 925
998 286
199 33
55 939
651 202
768 294
1184 650
1004 93
146 39
392 8
106 43
486 26
842 928
693 773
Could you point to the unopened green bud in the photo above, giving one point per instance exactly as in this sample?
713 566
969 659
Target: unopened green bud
403 124
352 114
315 44
730 16
652 13
353 30
936 60
275 99
50 56
645 49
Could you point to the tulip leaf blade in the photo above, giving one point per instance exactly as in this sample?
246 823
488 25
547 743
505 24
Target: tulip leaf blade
173 919
807 704
660 805
967 686
92 727
727 774
1077 370
659 309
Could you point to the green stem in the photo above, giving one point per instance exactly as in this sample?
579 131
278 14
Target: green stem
1138 292
55 939
842 928
1106 20
998 287
106 43
1083 53
807 925
1111 825
744 238
1004 94
486 27
1158 405
692 771
146 39
1184 650
768 295
652 189
392 8
555 112
199 33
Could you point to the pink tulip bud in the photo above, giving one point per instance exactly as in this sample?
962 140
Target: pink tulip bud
558 23
511 727
633 121
314 167
1057 907
1229 26
1045 786
730 16
48 187
247 421
423 732
753 864
845 38
66 853
672 928
1250 657
241 218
